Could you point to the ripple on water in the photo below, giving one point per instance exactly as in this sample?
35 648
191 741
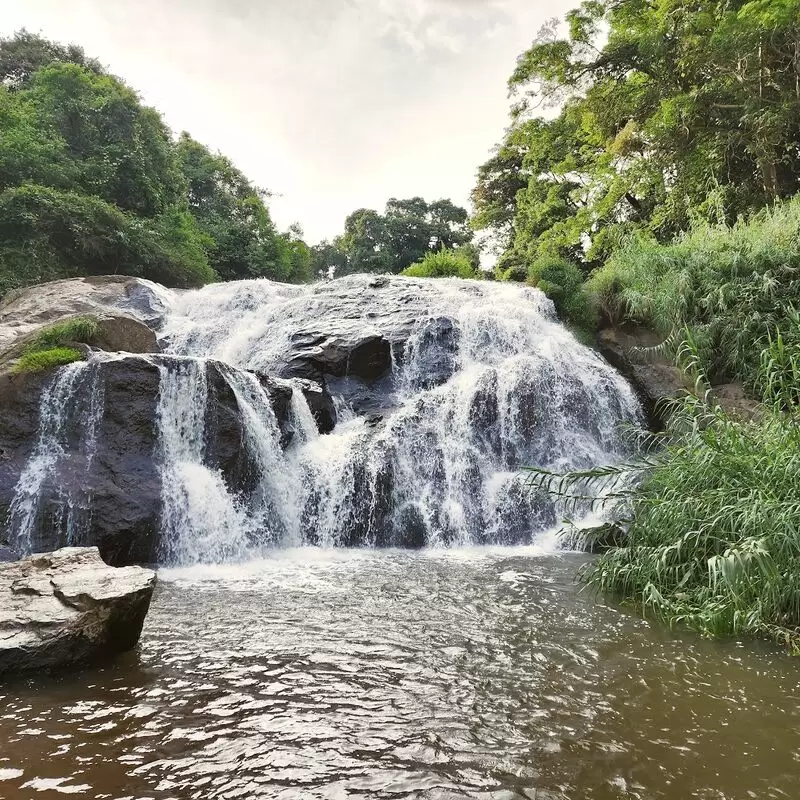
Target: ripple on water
356 674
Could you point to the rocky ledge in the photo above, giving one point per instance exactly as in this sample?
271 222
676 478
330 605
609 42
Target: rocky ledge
69 607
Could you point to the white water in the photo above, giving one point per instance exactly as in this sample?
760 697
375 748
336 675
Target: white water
443 467
73 401
482 382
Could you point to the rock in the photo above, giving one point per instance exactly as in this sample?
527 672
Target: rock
366 355
68 607
24 311
123 333
656 379
735 401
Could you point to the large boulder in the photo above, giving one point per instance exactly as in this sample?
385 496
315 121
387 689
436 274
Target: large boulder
657 380
24 311
69 607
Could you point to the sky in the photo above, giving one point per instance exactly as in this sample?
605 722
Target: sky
333 105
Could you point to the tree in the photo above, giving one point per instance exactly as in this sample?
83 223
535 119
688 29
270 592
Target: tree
22 54
243 241
403 235
666 111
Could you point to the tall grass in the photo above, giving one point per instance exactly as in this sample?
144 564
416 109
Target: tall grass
713 519
730 286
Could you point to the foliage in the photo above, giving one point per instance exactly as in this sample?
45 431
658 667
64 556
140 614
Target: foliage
664 112
713 540
562 282
48 234
442 264
40 360
730 286
712 537
402 236
91 181
75 329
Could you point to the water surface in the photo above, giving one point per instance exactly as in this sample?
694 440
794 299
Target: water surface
361 674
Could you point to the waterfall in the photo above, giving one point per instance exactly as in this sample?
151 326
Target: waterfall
444 390
71 407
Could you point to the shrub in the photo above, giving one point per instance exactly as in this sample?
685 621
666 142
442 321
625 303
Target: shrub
562 282
730 286
38 360
442 264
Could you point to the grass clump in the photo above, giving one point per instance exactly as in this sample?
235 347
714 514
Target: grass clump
76 329
442 264
730 286
39 360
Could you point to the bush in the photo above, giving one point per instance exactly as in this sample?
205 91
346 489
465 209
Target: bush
562 282
730 286
48 234
38 360
712 536
442 264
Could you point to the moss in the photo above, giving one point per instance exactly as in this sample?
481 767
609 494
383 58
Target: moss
38 360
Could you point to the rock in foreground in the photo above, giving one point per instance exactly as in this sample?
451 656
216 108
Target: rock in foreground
69 607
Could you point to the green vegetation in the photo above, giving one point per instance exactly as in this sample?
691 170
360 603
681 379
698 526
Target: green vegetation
443 264
74 330
562 282
92 182
391 242
713 539
51 347
666 112
730 287
39 360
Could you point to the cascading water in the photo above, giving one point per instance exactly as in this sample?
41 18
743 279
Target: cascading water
482 381
71 406
444 390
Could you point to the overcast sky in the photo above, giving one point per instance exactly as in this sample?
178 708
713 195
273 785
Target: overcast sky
333 104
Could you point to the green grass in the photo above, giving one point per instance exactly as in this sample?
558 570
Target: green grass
76 329
730 286
713 519
442 264
39 360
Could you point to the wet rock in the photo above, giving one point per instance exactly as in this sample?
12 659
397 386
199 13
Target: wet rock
362 354
122 333
69 607
111 496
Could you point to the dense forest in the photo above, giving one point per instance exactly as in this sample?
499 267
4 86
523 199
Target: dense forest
93 182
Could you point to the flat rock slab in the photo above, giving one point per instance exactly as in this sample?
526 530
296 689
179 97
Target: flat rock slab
69 607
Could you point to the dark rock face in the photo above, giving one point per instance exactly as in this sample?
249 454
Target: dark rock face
68 607
110 496
363 355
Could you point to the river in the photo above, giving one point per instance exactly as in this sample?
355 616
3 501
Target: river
476 672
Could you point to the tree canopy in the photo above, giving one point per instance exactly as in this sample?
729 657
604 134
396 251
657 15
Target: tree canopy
401 236
658 112
92 181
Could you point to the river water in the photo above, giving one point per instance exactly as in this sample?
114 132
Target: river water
479 673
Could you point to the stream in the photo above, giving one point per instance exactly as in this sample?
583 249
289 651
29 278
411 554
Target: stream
460 673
